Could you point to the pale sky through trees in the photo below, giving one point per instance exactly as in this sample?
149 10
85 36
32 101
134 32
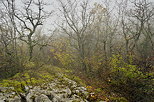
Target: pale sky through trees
52 5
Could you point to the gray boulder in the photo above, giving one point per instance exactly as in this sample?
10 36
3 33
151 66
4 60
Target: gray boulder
15 99
42 98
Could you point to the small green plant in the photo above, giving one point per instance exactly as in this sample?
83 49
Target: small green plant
29 65
98 90
118 99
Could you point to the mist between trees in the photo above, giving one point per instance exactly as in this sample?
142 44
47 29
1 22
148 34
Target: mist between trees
106 40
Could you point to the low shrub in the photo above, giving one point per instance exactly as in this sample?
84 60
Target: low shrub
128 81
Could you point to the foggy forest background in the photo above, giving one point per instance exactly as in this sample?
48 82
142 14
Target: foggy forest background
108 44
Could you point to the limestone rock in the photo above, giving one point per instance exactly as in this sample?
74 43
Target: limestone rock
58 90
15 99
42 98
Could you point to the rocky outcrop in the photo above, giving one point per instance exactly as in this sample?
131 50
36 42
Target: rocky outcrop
60 90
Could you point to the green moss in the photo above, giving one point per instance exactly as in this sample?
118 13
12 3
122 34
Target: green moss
20 80
76 79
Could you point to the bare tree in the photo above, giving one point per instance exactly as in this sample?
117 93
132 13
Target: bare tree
136 24
77 18
105 27
143 13
7 24
29 20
